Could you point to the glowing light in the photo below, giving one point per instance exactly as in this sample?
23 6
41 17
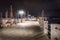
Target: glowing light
21 12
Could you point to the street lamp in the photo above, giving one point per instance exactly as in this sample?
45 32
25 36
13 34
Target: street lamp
21 13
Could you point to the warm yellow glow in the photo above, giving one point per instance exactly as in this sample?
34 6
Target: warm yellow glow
28 23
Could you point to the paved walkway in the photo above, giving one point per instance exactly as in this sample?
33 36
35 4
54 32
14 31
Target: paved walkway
21 34
33 32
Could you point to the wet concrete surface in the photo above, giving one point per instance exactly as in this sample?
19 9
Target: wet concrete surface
23 33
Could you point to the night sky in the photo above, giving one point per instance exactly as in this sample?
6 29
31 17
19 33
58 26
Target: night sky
51 7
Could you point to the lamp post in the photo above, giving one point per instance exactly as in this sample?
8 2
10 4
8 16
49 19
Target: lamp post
21 13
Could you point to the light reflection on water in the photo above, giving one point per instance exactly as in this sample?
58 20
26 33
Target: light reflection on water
20 31
17 32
